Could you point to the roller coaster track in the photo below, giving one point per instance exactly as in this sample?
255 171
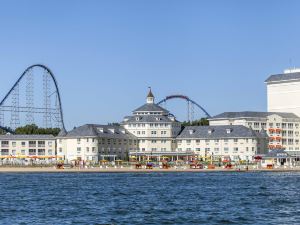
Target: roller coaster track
186 98
45 68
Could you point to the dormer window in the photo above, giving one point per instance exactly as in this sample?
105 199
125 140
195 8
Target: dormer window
100 129
210 131
112 130
191 131
137 118
158 118
228 131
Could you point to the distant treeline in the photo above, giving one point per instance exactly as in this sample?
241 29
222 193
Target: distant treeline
34 129
201 122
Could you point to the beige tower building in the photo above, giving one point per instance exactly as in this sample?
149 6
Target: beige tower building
283 91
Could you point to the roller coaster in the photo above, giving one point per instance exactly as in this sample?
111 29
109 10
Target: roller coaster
24 104
190 105
21 104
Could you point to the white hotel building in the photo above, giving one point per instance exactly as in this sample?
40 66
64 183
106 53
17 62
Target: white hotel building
283 91
156 130
236 142
27 146
282 128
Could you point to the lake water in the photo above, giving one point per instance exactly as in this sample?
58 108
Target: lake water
150 198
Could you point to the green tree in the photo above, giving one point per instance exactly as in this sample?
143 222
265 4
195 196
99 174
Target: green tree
201 122
34 129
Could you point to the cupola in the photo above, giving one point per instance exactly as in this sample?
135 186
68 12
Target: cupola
150 97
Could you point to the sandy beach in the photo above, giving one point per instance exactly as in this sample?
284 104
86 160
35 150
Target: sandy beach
131 170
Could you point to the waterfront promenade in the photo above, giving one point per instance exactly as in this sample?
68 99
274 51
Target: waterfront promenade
134 170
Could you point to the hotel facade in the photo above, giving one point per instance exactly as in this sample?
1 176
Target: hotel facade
28 147
282 128
153 133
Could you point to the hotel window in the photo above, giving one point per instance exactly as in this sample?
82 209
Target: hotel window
250 124
151 124
4 144
284 133
197 141
247 149
32 151
252 149
59 141
49 143
235 149
179 149
278 125
270 124
138 132
94 149
163 141
283 125
188 149
41 143
235 140
153 149
14 144
290 141
163 132
93 140
13 152
78 140
263 125
153 132
216 150
225 140
290 126
216 140
143 132
153 141
49 152
256 125
207 141
290 133
156 125
296 125
188 142
163 149
23 152
23 144
87 140
207 150
4 152
179 141
60 150
198 149
78 150
87 149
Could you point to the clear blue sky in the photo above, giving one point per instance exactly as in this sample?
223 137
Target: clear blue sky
106 53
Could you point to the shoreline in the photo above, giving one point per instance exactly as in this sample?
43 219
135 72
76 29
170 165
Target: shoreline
132 170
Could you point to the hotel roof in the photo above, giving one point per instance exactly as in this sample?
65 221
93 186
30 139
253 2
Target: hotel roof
211 132
283 77
250 114
102 131
148 119
148 107
26 137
